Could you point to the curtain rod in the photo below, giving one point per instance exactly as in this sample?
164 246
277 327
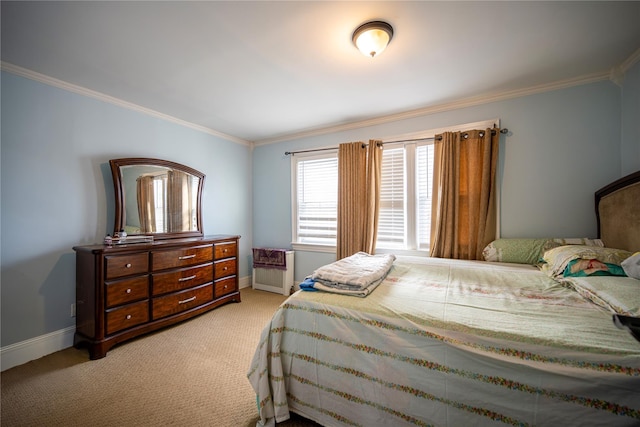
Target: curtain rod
287 153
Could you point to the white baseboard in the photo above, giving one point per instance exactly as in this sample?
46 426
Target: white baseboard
244 282
35 348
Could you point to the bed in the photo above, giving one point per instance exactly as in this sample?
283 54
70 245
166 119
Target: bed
508 341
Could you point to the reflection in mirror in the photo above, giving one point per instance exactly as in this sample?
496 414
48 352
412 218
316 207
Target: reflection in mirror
157 197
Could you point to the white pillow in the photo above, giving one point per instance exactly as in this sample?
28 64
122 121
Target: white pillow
631 266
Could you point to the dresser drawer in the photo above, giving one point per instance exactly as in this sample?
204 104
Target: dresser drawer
225 268
184 278
127 316
126 265
128 290
225 250
181 301
224 286
162 260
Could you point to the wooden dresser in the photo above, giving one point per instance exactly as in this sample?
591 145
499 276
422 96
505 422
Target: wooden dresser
123 291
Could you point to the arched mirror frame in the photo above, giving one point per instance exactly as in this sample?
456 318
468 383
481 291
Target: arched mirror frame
120 202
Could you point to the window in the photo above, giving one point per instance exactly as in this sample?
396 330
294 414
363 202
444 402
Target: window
424 156
391 218
159 198
405 197
405 205
315 199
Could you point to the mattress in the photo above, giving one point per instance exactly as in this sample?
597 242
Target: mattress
448 343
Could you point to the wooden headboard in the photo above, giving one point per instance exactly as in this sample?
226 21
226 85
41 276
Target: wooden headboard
618 213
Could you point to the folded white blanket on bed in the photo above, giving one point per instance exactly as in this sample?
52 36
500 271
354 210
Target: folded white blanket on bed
357 274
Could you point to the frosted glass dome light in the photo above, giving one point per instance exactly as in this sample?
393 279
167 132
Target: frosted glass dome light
373 37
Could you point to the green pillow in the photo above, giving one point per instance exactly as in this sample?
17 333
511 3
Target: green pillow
529 251
522 251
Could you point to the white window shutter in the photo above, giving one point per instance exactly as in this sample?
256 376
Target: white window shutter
391 220
317 198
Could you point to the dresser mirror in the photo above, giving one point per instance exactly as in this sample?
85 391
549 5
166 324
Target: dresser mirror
157 198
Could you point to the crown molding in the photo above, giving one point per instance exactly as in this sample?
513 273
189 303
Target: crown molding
455 105
630 61
617 74
614 75
42 78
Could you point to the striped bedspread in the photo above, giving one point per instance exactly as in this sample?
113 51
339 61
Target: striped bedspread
448 343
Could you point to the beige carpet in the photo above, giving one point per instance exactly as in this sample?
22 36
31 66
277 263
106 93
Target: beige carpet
191 374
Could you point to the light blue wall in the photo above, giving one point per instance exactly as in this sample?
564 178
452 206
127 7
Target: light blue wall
57 191
562 146
631 120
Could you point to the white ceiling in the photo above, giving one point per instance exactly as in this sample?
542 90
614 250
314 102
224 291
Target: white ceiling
265 71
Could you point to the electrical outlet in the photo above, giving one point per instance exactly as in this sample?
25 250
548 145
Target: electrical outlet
73 310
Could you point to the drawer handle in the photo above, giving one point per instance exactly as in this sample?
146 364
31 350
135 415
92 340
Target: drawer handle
224 269
184 279
128 265
184 301
187 256
129 290
128 317
226 286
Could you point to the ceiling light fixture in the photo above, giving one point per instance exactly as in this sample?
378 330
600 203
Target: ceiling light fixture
373 37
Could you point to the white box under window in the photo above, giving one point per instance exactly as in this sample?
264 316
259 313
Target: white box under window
273 279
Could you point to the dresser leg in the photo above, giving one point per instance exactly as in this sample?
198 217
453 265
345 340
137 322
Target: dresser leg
97 352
